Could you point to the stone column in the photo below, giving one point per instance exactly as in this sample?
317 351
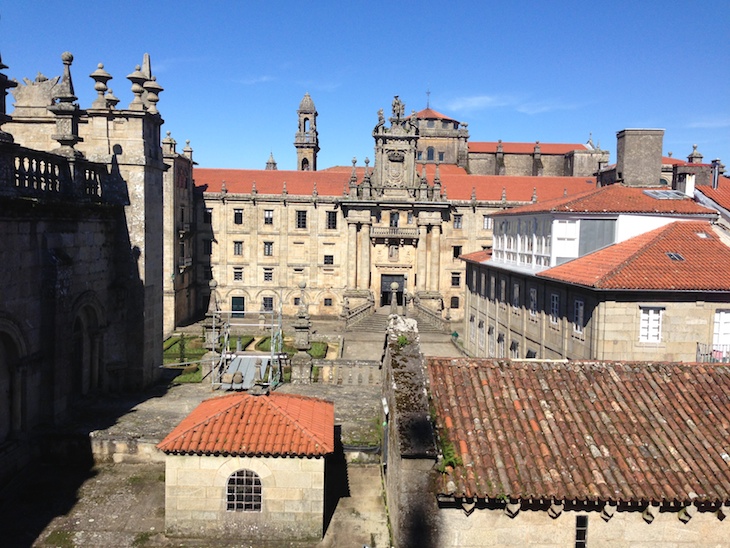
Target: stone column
421 259
363 276
351 255
435 271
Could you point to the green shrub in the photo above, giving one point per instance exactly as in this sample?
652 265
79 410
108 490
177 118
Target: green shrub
189 375
318 350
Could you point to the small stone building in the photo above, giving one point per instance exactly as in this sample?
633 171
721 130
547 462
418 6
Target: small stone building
250 467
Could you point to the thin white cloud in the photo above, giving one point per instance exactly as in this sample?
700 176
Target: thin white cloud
710 124
479 102
255 80
544 106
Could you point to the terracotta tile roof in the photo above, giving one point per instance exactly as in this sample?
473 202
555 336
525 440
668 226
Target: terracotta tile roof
298 183
670 160
243 424
429 113
525 148
719 195
645 262
615 199
586 431
334 181
477 256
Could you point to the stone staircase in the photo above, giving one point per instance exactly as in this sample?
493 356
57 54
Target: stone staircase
378 322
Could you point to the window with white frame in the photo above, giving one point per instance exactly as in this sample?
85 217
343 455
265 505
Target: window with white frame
268 216
554 308
238 248
486 222
268 274
268 249
482 333
455 279
244 492
516 298
458 221
491 342
578 312
650 325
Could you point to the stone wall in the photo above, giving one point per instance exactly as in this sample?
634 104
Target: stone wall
485 528
292 497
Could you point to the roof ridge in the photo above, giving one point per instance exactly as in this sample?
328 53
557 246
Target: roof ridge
294 421
167 439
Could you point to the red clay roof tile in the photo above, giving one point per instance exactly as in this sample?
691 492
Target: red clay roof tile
645 262
587 431
243 424
719 195
615 199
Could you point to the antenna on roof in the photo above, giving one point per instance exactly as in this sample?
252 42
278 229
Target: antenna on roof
428 98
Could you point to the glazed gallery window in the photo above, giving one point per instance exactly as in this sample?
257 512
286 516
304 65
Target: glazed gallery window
650 325
554 308
243 492
533 301
238 216
268 216
331 220
578 313
301 218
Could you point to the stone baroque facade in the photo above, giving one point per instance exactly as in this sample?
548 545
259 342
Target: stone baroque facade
349 233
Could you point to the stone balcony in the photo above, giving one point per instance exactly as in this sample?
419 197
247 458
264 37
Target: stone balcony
393 232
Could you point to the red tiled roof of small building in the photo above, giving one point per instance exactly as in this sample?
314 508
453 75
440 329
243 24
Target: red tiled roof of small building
584 431
719 195
243 424
615 199
524 148
645 262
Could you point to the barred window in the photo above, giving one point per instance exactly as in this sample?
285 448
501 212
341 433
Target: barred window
301 218
331 220
268 216
243 493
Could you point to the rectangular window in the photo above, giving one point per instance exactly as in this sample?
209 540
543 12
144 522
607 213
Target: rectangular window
329 259
516 296
328 302
238 248
208 216
482 333
502 291
238 216
492 290
268 216
533 301
331 220
581 531
394 220
237 307
454 303
457 251
301 218
650 328
455 279
578 311
514 350
237 273
458 221
268 303
409 218
487 222
268 274
268 249
297 300
554 308
441 156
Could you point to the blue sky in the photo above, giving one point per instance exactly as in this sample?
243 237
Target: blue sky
234 72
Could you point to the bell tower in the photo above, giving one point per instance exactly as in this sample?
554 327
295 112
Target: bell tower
306 139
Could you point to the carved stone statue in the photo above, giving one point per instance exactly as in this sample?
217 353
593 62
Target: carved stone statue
398 108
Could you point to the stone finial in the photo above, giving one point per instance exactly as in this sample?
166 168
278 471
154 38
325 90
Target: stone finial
534 194
66 111
695 157
284 191
100 77
271 163
138 79
111 100
153 90
589 144
537 147
188 151
168 144
499 147
254 191
473 194
5 85
314 189
504 194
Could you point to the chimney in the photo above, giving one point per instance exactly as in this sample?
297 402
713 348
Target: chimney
639 157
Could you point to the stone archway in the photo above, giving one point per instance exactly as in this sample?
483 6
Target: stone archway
85 352
10 388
